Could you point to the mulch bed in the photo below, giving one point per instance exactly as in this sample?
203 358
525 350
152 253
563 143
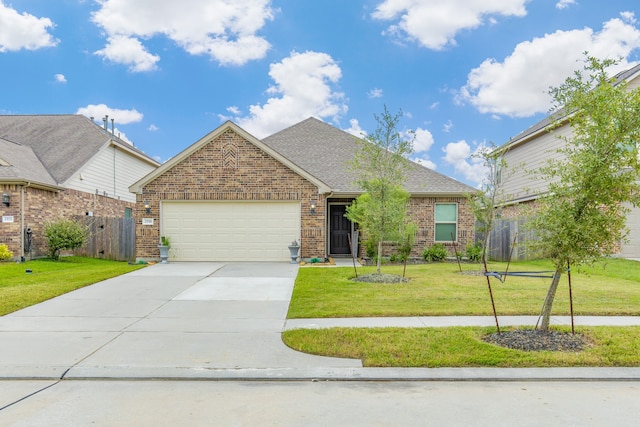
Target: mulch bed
534 340
380 278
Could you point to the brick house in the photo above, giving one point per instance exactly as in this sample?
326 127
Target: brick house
231 196
61 166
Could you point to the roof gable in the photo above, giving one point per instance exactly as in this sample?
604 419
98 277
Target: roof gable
138 186
325 152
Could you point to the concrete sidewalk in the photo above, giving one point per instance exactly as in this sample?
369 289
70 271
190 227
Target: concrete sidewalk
448 321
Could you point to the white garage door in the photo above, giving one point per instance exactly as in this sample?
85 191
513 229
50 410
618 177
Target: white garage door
230 231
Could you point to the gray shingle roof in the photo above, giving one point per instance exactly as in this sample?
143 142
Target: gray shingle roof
62 143
325 152
22 164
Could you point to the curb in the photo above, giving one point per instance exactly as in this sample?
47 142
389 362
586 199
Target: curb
346 374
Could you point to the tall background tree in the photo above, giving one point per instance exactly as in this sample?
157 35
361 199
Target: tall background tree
583 215
380 165
485 202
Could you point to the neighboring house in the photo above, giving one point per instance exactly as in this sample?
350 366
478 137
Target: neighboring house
61 166
231 196
532 149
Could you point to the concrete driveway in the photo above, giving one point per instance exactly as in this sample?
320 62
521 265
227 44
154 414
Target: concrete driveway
177 320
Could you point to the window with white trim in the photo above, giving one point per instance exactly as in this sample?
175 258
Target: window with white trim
446 217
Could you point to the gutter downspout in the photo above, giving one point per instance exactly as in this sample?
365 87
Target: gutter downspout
22 256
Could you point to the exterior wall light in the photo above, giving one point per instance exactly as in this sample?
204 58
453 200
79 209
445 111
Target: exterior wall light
146 206
6 199
313 207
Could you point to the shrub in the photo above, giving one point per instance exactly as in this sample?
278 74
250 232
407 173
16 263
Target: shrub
474 252
64 234
5 253
370 248
437 252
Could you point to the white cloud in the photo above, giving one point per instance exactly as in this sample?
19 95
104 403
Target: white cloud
446 128
424 161
126 50
225 30
628 17
563 4
153 128
121 117
435 23
234 110
423 140
304 86
518 86
23 31
375 93
355 129
60 78
458 154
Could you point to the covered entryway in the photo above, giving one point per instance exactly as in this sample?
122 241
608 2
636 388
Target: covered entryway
230 231
339 229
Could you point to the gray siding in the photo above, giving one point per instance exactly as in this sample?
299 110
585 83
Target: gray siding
517 180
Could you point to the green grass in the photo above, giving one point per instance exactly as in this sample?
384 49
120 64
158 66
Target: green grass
611 287
462 347
49 279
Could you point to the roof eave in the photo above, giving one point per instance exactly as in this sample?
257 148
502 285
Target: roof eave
133 152
34 184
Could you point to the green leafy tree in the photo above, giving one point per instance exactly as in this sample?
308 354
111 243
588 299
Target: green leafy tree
381 164
583 215
64 234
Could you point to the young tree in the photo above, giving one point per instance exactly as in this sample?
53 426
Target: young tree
583 215
381 164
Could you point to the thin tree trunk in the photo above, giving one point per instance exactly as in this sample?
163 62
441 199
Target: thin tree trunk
379 256
548 301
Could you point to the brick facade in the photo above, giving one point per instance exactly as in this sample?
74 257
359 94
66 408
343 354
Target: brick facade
230 168
422 213
41 206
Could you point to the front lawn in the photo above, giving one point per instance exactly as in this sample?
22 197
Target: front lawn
48 279
608 288
611 287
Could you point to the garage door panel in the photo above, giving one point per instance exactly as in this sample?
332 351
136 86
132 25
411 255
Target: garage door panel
230 231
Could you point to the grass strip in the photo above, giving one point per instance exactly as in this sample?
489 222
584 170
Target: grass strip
462 347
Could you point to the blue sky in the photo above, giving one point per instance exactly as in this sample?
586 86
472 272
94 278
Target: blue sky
464 72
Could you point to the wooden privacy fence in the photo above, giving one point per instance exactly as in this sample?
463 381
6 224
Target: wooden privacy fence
109 238
508 235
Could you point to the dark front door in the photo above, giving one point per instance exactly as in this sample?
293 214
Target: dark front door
339 229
